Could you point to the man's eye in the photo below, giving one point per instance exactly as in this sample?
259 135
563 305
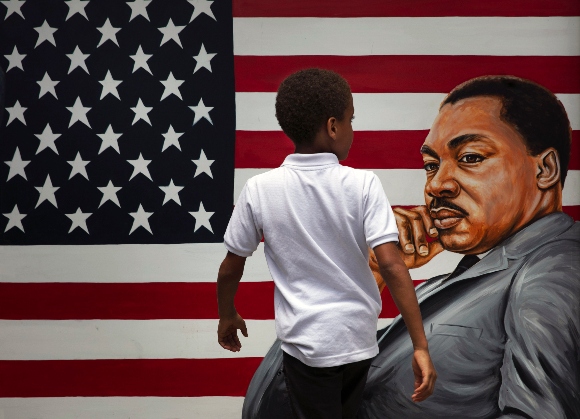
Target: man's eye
471 158
429 167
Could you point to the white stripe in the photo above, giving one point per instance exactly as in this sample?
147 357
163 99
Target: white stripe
503 36
571 103
121 263
128 339
134 264
373 111
121 407
405 186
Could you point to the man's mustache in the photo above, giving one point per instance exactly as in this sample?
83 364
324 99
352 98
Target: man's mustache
438 203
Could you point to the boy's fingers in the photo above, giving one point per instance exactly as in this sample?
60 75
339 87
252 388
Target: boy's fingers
244 330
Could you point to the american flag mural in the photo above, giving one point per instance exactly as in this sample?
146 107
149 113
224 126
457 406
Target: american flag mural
130 129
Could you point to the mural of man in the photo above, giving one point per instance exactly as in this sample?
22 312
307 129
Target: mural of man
504 326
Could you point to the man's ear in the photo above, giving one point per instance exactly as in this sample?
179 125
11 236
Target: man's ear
548 163
331 127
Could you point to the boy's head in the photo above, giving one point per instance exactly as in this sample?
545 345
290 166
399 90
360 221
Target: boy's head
307 99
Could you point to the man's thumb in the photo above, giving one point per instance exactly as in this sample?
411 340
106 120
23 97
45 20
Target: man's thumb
244 330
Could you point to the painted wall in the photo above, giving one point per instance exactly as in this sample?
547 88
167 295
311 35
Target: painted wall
97 324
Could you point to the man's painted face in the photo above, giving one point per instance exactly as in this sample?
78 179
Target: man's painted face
480 176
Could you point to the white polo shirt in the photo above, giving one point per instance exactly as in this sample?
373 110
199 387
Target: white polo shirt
318 220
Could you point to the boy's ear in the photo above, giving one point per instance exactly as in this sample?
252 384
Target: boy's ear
331 127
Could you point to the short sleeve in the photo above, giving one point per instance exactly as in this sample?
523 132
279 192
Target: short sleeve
379 221
243 235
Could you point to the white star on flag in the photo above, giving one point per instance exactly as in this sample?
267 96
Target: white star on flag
138 8
47 86
17 165
171 86
202 218
47 192
47 139
201 6
201 111
141 219
203 59
171 192
16 112
109 193
79 166
45 33
14 219
79 219
140 59
15 59
203 165
171 32
79 113
110 86
108 33
171 139
110 139
140 166
76 6
13 6
77 59
141 112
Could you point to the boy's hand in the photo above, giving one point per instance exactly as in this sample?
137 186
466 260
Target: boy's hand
228 332
413 226
425 375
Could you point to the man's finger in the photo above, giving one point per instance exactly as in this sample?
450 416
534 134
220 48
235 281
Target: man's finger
404 227
427 220
244 330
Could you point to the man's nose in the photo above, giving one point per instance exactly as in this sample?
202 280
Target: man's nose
443 184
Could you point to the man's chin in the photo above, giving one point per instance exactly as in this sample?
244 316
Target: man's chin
458 242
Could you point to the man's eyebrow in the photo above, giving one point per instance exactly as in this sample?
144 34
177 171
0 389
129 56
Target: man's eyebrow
462 139
425 149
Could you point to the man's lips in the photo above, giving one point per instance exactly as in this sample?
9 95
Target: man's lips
445 218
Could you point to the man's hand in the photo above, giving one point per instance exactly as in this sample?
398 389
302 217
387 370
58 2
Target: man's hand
228 332
425 375
413 226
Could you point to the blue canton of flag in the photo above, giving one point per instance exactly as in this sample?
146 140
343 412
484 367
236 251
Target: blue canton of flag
120 121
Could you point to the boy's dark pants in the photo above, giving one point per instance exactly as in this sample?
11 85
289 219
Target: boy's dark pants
321 393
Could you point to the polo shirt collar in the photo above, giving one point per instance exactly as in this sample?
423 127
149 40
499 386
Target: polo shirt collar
310 160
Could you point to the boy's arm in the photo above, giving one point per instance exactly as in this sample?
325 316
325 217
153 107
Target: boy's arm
397 278
229 276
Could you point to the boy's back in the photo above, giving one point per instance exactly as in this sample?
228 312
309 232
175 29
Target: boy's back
318 219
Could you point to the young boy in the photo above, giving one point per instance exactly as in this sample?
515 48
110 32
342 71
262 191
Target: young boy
318 220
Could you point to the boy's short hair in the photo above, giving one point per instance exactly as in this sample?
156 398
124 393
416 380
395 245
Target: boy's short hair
307 99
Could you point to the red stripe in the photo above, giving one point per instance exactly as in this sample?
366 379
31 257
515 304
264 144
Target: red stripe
572 211
127 377
411 8
408 73
390 310
370 149
139 301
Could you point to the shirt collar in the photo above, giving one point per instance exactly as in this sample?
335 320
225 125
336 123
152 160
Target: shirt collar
310 160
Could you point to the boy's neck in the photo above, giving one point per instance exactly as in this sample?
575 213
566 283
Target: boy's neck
321 144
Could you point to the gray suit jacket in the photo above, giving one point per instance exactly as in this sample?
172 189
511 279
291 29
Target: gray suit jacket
504 337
